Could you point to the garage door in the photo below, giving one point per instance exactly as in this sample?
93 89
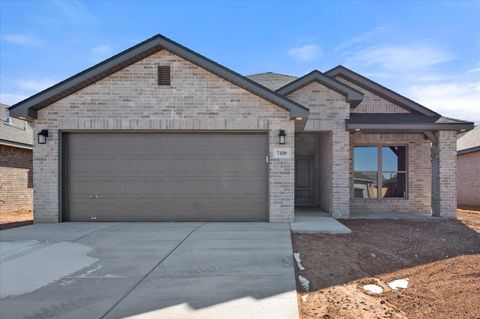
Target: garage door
165 176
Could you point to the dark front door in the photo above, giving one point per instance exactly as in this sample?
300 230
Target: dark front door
305 187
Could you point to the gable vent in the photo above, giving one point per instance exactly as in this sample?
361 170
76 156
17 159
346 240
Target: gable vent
163 75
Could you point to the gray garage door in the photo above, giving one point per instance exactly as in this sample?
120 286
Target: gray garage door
165 176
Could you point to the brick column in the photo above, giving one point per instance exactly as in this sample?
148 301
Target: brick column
444 187
340 199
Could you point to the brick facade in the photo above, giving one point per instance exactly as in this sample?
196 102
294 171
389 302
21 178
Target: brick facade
444 174
16 191
131 99
328 111
468 176
372 103
419 175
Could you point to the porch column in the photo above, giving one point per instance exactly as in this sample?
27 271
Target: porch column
340 199
444 187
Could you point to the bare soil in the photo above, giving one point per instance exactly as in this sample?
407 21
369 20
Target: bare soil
15 219
440 258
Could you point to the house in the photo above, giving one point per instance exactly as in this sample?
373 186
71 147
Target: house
161 133
468 169
16 187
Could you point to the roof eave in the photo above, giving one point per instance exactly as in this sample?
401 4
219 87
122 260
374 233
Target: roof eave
469 150
16 144
410 127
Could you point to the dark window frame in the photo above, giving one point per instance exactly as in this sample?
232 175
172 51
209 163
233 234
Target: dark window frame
379 147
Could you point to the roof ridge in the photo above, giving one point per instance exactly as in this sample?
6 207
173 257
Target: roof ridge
270 72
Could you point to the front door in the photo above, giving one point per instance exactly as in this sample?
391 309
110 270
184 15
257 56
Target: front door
305 190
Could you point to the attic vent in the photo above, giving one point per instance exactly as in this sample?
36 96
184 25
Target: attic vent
163 75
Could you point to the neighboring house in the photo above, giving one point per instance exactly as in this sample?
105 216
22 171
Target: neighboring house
468 169
16 187
159 132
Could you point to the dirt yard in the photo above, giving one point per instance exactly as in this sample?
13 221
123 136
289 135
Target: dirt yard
440 259
15 219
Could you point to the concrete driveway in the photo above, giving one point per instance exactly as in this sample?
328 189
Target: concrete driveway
147 270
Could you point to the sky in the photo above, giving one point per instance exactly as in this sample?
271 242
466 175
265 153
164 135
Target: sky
428 51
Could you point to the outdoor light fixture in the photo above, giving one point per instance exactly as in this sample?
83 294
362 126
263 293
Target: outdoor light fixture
42 137
281 136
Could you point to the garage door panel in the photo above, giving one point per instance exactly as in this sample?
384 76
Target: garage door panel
166 176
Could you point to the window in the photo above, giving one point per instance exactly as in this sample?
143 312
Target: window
163 75
380 165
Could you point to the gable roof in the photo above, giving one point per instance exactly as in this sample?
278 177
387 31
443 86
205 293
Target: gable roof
380 90
15 132
352 96
28 108
272 80
469 141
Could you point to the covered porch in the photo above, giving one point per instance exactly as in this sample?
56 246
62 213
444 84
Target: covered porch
400 166
403 166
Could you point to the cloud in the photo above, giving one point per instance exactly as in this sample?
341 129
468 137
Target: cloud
475 69
11 98
35 85
75 11
399 58
345 47
101 49
454 99
305 53
22 39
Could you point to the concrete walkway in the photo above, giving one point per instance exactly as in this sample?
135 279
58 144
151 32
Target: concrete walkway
314 223
147 270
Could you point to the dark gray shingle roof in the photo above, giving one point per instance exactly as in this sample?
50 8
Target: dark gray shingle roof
14 132
413 122
272 80
469 140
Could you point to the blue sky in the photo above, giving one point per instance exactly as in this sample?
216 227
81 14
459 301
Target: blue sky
426 50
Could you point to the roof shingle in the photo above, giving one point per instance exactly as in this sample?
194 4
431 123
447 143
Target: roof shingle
271 80
15 132
469 140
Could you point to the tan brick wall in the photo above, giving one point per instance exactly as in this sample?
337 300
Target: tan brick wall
131 100
328 111
419 175
444 174
372 103
16 191
468 176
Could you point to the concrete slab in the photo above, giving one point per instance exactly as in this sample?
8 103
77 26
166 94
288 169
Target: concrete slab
148 270
397 216
313 224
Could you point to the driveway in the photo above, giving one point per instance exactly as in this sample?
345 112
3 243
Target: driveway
147 270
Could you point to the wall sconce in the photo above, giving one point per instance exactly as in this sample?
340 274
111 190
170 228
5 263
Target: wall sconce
281 137
42 137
